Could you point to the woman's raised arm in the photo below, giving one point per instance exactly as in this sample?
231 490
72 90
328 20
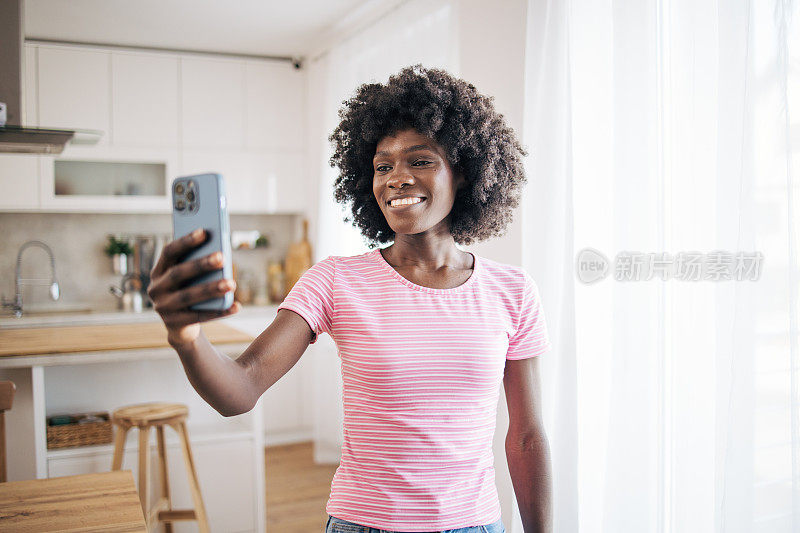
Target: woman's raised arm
232 387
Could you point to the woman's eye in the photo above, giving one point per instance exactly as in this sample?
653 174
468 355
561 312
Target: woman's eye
422 162
381 168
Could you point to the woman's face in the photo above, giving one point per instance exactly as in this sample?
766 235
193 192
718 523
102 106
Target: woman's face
411 165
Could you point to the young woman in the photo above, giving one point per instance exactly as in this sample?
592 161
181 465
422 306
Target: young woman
425 331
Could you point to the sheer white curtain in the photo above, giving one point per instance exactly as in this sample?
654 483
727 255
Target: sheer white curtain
667 126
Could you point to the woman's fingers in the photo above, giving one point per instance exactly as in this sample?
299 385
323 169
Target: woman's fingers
180 300
176 249
185 318
177 275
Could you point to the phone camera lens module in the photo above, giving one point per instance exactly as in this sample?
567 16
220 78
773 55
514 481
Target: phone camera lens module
190 196
179 188
180 205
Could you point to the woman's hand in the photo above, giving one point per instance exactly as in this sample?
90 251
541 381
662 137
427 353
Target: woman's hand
170 295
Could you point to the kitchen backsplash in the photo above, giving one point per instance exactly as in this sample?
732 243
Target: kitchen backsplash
84 272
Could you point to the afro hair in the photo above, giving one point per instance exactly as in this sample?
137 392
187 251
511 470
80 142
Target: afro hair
475 137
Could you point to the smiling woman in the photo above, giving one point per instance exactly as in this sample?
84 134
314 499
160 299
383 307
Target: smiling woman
457 127
426 332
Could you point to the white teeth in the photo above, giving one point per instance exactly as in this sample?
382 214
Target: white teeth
405 201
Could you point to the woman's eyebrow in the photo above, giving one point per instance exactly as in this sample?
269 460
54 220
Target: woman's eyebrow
409 149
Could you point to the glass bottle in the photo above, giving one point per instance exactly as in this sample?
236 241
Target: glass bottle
276 282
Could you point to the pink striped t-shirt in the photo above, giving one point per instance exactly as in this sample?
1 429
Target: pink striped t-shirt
422 369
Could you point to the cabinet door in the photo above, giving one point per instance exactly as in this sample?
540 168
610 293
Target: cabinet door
19 182
212 97
29 107
244 191
282 178
275 96
75 89
145 100
225 471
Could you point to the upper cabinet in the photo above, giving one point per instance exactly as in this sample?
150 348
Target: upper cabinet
179 113
19 181
275 94
145 99
212 93
74 89
30 111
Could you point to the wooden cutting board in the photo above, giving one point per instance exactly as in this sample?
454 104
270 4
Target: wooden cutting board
69 339
298 259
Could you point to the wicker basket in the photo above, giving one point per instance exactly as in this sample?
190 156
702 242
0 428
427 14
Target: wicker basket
75 434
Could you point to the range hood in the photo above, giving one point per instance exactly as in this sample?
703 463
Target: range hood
14 137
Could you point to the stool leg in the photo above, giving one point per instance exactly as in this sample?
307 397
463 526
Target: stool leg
194 485
162 459
119 447
144 467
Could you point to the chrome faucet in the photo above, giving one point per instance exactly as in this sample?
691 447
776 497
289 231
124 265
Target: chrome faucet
55 292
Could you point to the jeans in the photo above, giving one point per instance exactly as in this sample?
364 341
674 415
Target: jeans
337 525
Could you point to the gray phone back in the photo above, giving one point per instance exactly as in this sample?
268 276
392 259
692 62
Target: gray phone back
199 202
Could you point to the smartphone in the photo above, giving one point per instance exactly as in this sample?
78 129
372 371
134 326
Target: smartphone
199 202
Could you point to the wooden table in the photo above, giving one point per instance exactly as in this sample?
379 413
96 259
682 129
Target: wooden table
88 502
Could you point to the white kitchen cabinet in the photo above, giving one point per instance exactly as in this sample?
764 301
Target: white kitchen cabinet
54 196
246 192
224 470
275 98
30 108
19 182
282 175
242 118
145 96
212 100
255 183
74 89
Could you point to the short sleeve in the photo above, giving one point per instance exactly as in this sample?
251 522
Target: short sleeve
530 338
311 297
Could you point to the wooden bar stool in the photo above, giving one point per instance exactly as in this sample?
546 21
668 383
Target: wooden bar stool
144 416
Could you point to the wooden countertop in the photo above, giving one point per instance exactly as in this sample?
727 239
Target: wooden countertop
89 502
75 339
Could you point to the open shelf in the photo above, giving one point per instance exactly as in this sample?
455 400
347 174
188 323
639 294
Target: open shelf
231 430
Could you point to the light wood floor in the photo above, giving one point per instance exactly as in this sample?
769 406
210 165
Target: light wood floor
297 489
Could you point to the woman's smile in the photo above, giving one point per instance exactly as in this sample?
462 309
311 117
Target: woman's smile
404 204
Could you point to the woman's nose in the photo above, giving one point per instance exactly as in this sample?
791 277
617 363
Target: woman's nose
399 178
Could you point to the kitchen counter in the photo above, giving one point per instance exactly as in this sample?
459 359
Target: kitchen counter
75 339
79 362
107 337
71 318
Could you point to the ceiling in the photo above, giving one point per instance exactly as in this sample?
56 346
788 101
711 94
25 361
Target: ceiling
258 27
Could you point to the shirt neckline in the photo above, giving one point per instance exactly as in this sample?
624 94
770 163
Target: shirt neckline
378 257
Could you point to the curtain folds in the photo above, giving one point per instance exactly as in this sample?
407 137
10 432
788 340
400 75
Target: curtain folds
667 126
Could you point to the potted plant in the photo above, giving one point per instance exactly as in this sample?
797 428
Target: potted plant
118 251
